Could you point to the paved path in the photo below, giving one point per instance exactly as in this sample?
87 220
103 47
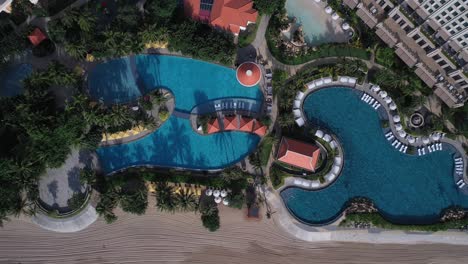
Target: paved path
261 46
304 232
67 225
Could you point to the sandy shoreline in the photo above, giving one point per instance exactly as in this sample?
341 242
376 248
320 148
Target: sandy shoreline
180 238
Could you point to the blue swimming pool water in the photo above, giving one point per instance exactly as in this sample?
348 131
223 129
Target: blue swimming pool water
11 79
174 144
406 188
191 81
318 26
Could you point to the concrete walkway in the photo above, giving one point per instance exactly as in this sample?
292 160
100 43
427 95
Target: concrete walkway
67 225
261 47
285 221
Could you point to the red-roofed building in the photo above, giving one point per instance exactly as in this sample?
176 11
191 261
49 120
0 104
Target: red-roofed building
259 128
248 74
230 123
298 154
246 124
36 37
213 126
230 15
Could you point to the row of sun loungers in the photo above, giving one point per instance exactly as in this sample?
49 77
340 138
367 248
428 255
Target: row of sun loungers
230 105
306 183
459 168
370 100
326 137
461 183
348 80
430 149
399 146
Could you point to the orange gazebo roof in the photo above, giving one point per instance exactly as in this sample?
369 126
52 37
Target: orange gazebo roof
249 74
298 154
36 37
213 126
246 124
230 123
259 128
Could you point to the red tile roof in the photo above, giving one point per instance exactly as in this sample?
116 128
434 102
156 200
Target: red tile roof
213 126
259 128
298 154
246 124
248 74
37 37
230 123
229 15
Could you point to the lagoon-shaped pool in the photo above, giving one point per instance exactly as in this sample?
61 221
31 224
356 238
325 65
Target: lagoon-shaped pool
174 144
318 26
405 188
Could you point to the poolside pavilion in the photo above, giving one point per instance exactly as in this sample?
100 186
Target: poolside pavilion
246 124
213 126
298 154
230 123
249 74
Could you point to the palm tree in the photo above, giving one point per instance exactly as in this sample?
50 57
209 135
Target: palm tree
285 120
165 200
186 201
209 209
120 115
158 98
76 50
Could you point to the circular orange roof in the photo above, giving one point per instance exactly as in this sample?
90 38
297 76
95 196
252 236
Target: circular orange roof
249 74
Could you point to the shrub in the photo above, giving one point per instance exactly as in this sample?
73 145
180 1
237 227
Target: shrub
163 114
76 201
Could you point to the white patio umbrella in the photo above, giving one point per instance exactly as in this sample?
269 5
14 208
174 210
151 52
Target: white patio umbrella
218 200
425 140
411 139
435 136
209 192
383 94
335 16
328 10
396 118
223 193
402 133
216 193
225 201
388 99
345 26
297 113
392 106
398 127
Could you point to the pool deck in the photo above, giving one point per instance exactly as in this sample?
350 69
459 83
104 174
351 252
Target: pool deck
284 220
331 231
366 87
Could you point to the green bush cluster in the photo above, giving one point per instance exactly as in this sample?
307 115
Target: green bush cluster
375 219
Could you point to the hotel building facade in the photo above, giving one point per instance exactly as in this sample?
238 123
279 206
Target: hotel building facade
430 36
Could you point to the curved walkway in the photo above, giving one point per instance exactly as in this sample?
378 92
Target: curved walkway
67 225
261 46
332 232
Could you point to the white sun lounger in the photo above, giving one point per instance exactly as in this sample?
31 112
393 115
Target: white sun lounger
394 142
405 149
338 161
371 101
462 185
377 107
391 137
398 145
344 79
311 85
333 144
419 152
402 147
388 133
305 183
319 133
319 83
327 138
315 184
352 80
300 122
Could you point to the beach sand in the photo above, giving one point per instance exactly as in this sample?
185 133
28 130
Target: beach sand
180 238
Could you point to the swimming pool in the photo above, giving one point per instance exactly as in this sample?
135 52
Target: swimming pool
318 26
174 144
192 82
405 188
11 79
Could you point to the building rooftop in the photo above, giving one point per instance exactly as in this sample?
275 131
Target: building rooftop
249 74
298 154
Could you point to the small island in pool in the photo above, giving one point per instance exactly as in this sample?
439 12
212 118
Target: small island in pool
407 189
